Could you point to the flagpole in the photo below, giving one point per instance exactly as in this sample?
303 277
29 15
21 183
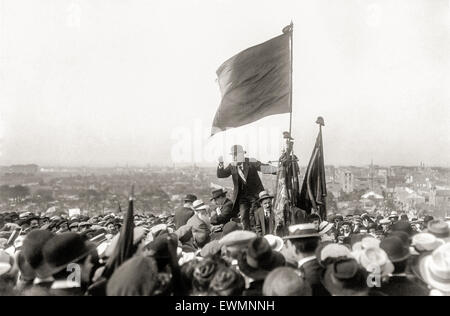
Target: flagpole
290 90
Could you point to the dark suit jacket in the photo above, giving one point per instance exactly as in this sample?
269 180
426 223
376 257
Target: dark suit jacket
260 224
251 189
226 214
404 286
198 225
182 216
312 273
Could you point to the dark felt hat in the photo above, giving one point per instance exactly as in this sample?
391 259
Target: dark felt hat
32 250
345 277
218 193
190 198
260 259
64 249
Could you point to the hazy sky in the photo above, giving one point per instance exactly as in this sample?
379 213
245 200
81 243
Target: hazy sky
90 82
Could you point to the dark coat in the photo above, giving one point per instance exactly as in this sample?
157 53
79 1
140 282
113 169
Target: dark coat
251 189
312 273
182 216
226 214
260 225
404 286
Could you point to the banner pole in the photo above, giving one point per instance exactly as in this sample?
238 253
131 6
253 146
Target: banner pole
290 83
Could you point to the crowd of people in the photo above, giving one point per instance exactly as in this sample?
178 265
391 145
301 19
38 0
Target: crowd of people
203 250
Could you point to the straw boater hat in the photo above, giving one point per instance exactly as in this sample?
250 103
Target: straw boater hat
423 242
264 195
325 227
237 238
275 242
302 231
435 268
198 205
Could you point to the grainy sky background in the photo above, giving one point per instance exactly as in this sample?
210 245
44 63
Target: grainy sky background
104 83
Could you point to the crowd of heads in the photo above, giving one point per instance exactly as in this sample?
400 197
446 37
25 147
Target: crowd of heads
341 255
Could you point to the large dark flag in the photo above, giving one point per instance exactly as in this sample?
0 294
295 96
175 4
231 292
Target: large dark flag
314 190
254 83
124 248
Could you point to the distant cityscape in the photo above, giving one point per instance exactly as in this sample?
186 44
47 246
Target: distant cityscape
414 190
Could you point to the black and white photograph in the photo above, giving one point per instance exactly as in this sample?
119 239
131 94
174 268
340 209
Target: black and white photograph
224 153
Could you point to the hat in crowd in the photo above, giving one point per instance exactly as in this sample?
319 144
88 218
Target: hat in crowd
395 249
218 193
438 228
61 223
229 227
285 281
375 260
259 259
331 252
63 249
198 205
74 224
201 237
369 242
137 276
345 277
190 198
237 149
32 250
203 274
237 238
275 242
435 268
427 218
25 215
26 271
227 282
393 214
211 249
325 227
264 195
6 262
403 226
302 231
385 221
159 229
404 237
424 242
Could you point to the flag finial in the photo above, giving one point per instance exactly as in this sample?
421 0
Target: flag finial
320 121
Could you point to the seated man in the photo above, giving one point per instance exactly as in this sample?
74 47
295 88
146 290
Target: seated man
224 211
183 214
200 221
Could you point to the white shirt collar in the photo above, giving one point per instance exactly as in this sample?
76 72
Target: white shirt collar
46 280
301 262
64 284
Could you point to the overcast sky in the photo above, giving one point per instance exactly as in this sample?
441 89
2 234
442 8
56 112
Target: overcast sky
90 82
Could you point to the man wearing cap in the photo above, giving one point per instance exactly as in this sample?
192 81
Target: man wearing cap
264 217
224 211
246 181
301 245
183 214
